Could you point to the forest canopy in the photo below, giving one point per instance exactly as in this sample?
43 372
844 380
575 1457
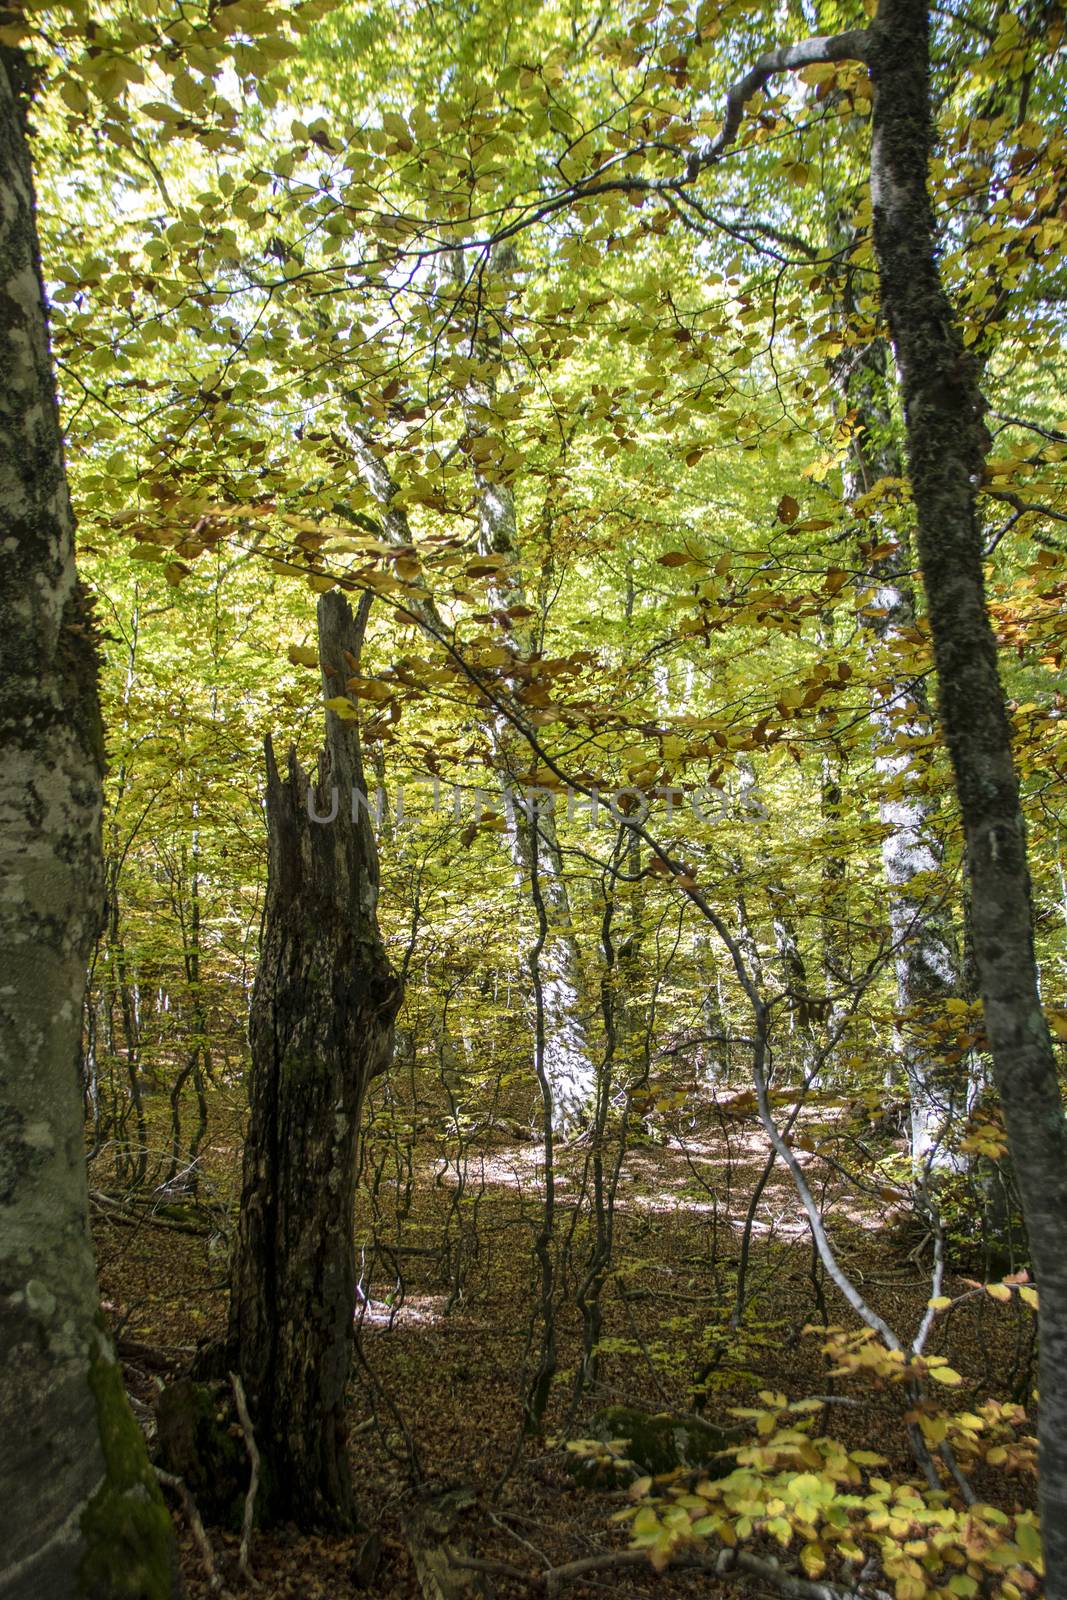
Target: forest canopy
534 901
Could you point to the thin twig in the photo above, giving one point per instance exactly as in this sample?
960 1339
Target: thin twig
170 1480
245 1420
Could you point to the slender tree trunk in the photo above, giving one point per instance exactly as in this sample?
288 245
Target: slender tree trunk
927 969
567 1066
321 1028
131 1162
198 1060
82 1513
836 953
947 443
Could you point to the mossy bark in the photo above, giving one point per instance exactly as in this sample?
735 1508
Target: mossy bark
81 1513
199 1442
126 1528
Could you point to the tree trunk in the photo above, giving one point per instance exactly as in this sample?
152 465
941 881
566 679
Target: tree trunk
321 1028
947 442
198 1060
569 1070
925 959
82 1513
567 1065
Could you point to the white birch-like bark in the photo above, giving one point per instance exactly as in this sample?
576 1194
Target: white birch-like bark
568 1067
925 961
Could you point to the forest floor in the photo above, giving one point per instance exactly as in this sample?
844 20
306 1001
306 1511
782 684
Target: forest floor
447 1341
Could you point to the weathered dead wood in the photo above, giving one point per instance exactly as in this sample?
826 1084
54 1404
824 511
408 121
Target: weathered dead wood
321 1027
178 1486
441 1558
244 1561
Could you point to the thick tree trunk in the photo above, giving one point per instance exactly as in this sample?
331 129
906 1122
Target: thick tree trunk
82 1513
946 449
321 1028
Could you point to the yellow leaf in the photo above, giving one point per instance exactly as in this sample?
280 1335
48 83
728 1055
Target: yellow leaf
368 689
813 1560
1057 1021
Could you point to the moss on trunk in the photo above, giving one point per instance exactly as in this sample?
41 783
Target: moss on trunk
126 1528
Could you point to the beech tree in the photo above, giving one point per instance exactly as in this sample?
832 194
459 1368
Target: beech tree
947 447
82 1511
569 1073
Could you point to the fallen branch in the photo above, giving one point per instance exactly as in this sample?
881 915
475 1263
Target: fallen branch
129 1214
245 1420
725 1564
170 1480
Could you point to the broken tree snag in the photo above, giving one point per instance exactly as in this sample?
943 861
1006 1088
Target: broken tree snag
321 1027
947 444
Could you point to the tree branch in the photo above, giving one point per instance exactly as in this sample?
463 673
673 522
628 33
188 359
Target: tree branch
852 45
1023 507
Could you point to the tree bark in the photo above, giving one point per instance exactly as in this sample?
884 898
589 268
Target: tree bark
925 960
566 1064
947 442
568 1067
82 1513
321 1027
